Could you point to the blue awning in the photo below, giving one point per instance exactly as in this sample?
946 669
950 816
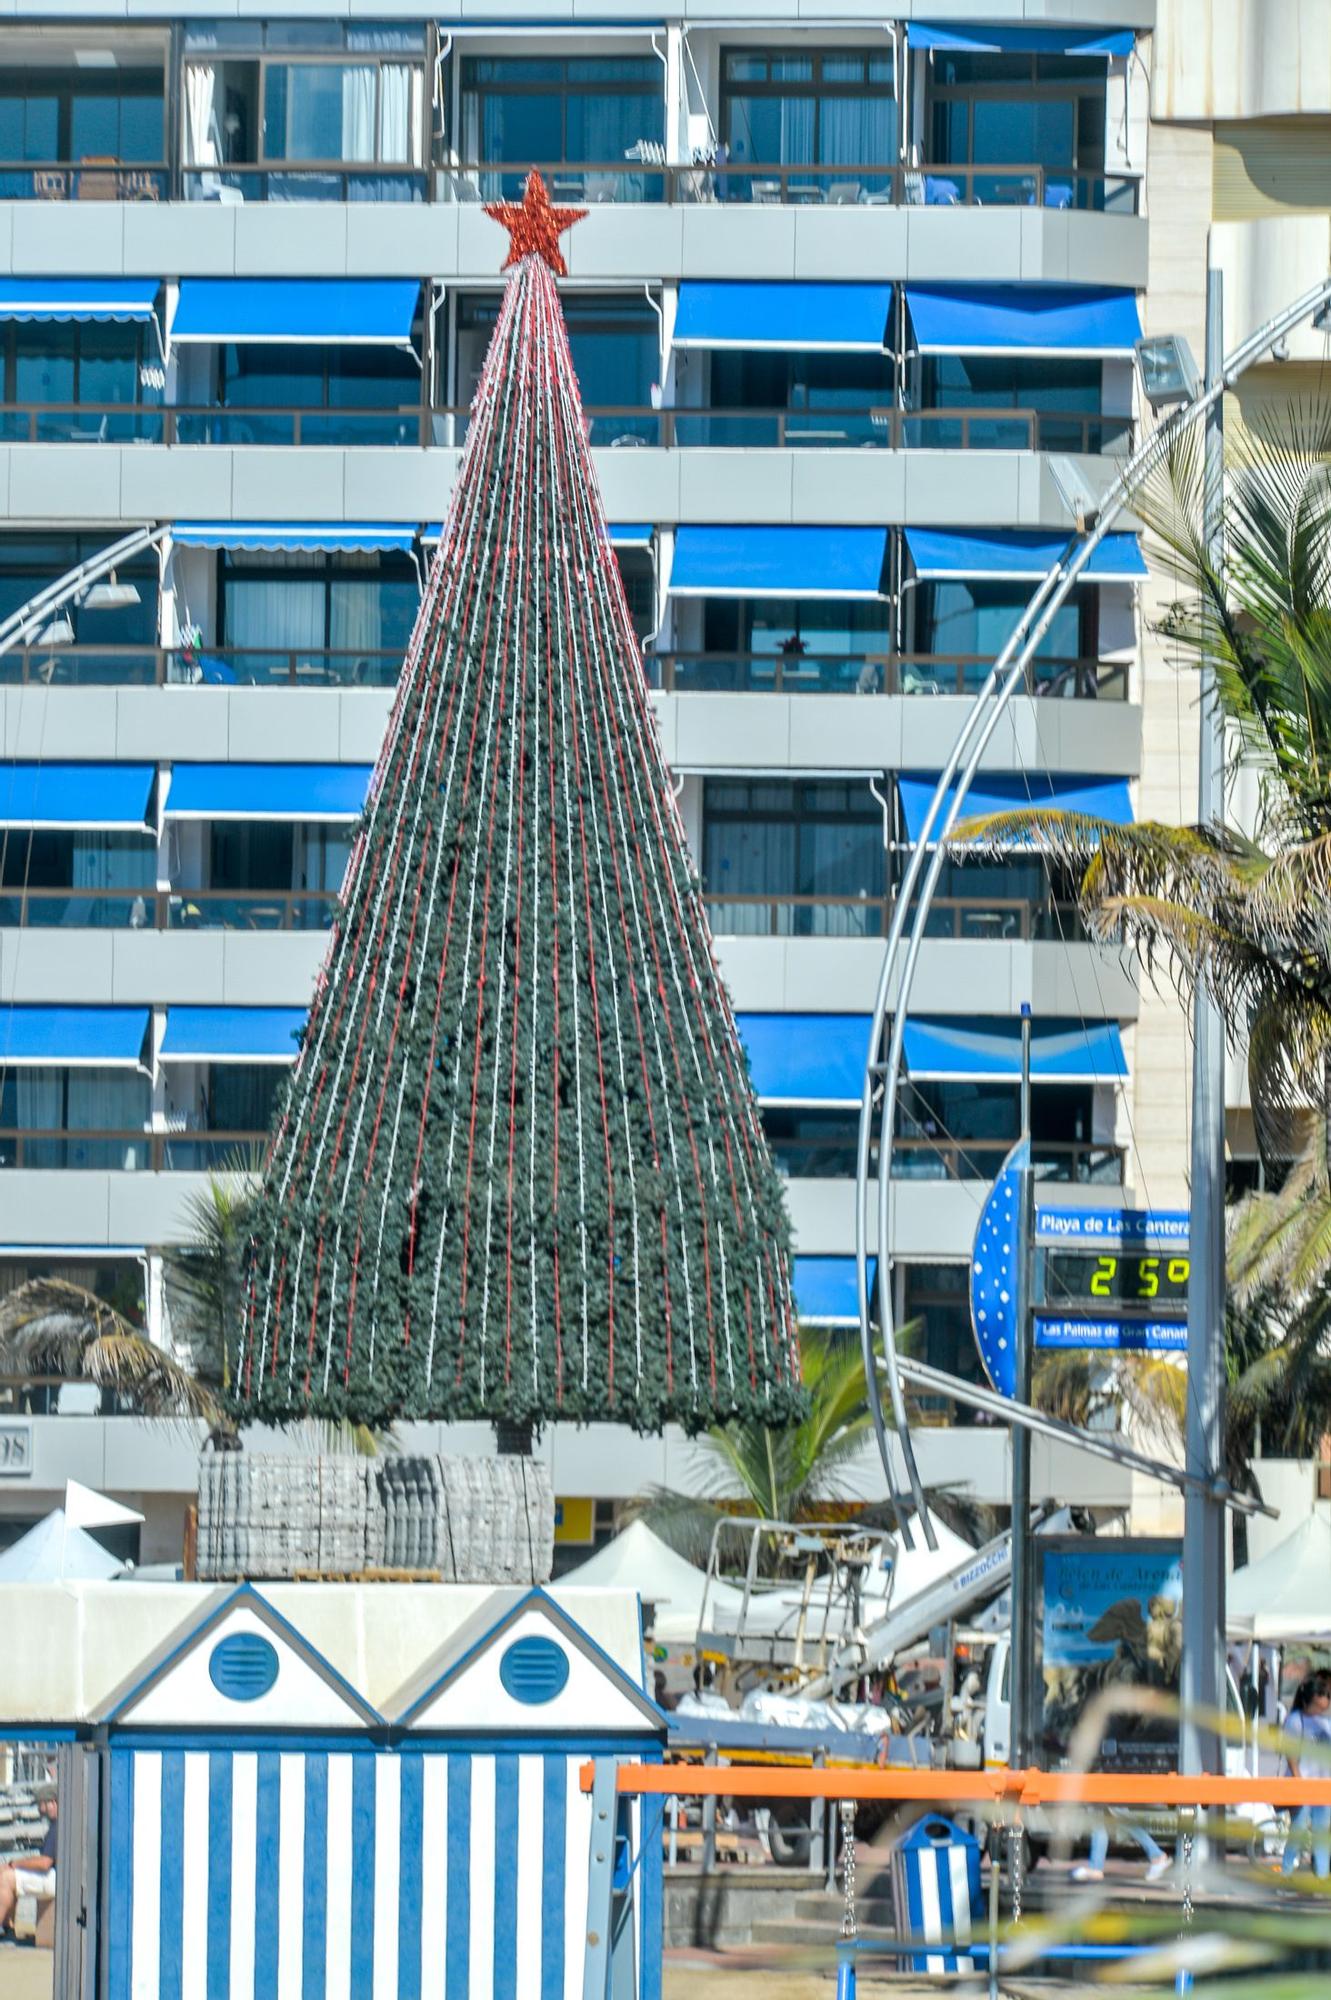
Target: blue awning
1077 320
1097 798
104 795
232 1034
267 791
1013 556
806 1058
990 1052
339 312
829 319
778 562
993 40
72 1037
825 1289
300 537
78 298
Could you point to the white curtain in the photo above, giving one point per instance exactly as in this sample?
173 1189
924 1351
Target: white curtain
39 1099
203 139
401 99
355 624
281 616
358 114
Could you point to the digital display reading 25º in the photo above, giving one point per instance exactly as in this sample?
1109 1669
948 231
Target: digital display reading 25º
1097 1279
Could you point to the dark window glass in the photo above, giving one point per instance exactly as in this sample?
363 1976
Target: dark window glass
44 364
590 109
801 840
108 364
29 562
242 1096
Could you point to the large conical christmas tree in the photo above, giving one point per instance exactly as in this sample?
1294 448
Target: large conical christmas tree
519 1171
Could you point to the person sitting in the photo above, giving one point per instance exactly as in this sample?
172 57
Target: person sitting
34 1875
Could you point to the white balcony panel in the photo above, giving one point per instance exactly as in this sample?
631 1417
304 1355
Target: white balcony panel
959 977
811 732
156 968
618 242
110 483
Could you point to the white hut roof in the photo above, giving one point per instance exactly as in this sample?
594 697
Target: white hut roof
84 1642
57 1551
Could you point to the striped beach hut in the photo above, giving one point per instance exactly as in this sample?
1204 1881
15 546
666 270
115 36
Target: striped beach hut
268 1829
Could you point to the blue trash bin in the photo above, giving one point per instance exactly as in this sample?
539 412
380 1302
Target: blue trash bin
937 1894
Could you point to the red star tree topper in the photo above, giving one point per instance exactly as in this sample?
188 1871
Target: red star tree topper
534 227
519 1170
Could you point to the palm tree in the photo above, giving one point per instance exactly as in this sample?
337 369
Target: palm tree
1248 916
783 1474
205 1273
50 1327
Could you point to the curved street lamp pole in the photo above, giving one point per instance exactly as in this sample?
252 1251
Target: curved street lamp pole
1005 677
21 625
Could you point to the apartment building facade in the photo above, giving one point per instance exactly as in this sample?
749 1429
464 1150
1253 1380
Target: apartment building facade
853 312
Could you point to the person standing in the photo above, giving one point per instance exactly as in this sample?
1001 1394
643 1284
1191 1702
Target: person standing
1310 1718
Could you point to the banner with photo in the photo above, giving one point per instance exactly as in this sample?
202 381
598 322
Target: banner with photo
1110 1618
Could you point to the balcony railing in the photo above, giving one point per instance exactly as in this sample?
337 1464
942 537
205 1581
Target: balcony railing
208 666
924 1159
117 1151
625 424
342 180
870 184
977 919
643 177
247 910
139 1151
179 909
833 1158
875 673
798 916
82 180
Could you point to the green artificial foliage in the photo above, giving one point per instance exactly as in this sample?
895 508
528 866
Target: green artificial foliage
519 1171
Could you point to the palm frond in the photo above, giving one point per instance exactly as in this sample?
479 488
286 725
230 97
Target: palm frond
52 1327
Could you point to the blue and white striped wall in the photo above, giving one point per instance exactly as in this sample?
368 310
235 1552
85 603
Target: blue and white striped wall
323 1872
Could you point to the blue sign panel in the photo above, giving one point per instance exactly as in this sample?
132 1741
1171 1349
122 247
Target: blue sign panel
1112 1225
1159 1335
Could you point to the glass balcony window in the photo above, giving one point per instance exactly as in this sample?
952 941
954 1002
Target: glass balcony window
85 383
71 1118
1022 129
813 848
343 122
86 879
288 608
1056 405
216 1110
90 127
593 124
28 562
254 875
307 394
615 341
793 399
830 111
969 621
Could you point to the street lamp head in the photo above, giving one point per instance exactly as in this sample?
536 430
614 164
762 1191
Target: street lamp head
1168 371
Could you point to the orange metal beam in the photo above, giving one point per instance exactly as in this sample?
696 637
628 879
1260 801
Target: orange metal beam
1026 1788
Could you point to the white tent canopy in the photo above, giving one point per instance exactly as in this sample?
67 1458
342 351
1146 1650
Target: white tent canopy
1287 1595
56 1551
639 1560
86 1508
